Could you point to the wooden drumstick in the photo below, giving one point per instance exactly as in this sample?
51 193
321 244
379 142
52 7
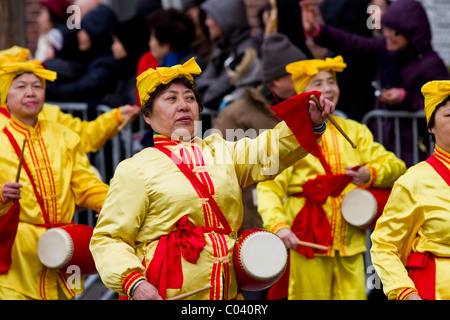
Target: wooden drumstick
312 245
124 123
188 294
21 160
333 121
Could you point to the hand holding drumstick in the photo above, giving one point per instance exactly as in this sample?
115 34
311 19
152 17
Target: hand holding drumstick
11 190
333 121
291 241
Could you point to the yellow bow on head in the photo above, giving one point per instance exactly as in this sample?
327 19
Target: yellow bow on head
150 79
14 54
9 71
303 71
434 93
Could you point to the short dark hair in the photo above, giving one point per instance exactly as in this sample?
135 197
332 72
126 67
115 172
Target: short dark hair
173 27
147 108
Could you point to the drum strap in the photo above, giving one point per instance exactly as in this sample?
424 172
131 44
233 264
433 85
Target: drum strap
440 168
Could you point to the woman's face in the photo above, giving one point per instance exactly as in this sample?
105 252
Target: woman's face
44 22
215 32
175 113
117 48
26 98
394 40
324 82
441 128
84 40
157 48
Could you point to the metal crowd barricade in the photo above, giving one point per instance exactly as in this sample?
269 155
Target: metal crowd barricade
397 116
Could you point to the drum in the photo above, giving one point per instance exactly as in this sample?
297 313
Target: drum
67 245
362 207
260 258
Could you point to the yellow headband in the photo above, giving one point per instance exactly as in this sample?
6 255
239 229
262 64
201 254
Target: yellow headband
303 71
150 79
14 54
9 71
434 93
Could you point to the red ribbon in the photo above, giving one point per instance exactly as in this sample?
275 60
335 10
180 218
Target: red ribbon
165 270
422 271
8 227
311 223
295 112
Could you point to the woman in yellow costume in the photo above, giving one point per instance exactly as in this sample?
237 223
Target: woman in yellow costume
56 175
162 232
94 134
304 201
411 241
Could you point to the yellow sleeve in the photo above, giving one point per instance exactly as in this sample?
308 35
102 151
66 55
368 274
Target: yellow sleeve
271 197
393 238
272 151
113 242
94 134
90 191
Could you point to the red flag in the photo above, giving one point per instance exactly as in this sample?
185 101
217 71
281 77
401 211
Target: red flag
295 112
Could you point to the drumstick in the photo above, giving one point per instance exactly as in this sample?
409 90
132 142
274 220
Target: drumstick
124 123
21 160
188 294
333 121
312 245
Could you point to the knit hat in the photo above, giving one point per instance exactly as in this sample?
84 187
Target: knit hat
99 22
277 52
303 71
57 7
434 93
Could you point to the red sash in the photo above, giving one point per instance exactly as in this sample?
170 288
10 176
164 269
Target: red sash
422 271
165 270
5 112
440 168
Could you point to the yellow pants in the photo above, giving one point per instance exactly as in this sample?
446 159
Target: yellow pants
327 278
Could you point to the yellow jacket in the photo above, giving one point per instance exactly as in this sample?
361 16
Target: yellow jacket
278 208
415 219
148 195
64 178
94 134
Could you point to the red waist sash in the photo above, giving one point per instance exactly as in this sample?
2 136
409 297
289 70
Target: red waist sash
422 271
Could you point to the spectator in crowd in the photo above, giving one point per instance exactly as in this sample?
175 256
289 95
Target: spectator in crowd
356 97
251 112
405 62
130 42
171 36
88 81
202 44
304 201
228 27
52 14
64 181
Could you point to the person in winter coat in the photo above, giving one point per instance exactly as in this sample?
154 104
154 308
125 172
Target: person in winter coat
99 75
405 60
229 28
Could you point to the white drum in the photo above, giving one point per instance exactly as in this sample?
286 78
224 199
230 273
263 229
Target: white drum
260 258
362 207
67 245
